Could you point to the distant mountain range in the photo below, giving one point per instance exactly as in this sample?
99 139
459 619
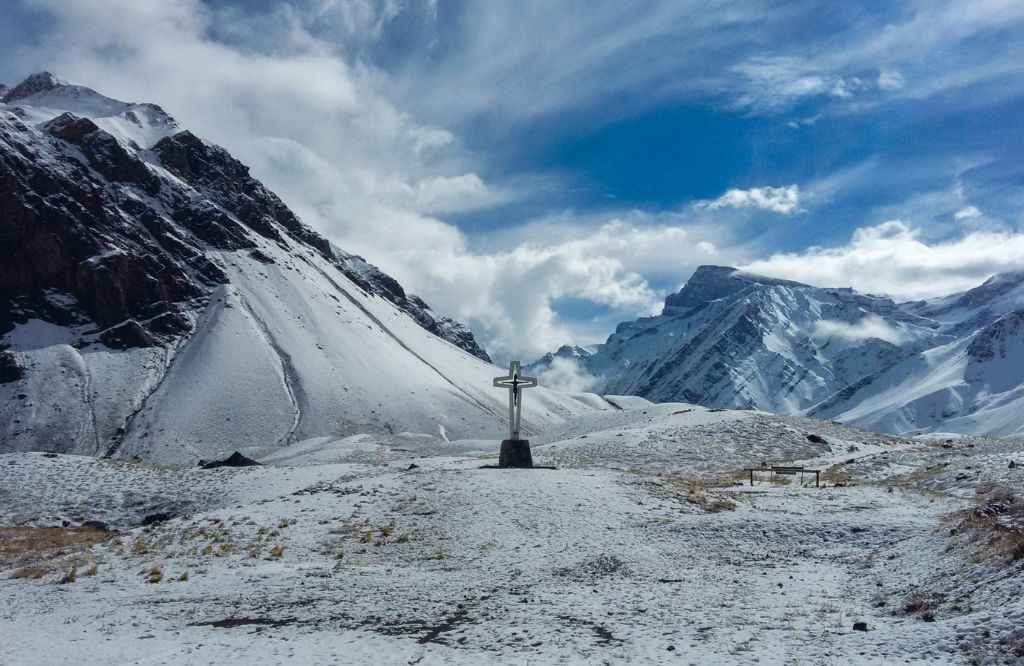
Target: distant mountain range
158 302
732 339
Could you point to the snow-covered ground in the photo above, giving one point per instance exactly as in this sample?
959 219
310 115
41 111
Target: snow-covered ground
644 546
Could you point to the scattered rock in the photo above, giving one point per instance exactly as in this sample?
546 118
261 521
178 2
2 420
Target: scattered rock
261 256
236 459
1012 464
127 335
816 439
671 648
154 518
97 525
10 369
860 626
412 466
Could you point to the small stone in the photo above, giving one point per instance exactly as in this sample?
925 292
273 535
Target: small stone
412 466
860 626
671 648
1012 464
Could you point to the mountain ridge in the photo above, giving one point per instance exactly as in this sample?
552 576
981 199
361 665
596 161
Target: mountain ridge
730 339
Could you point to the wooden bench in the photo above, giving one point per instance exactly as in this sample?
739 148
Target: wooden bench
786 471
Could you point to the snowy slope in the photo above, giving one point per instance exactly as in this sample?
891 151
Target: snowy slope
971 386
158 303
735 339
970 310
43 96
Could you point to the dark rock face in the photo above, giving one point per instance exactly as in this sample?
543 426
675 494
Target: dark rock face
93 235
62 233
104 152
992 341
236 459
154 518
229 185
10 369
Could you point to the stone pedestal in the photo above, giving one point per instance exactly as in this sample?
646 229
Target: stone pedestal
515 453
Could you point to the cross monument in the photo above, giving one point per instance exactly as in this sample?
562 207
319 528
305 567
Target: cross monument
515 452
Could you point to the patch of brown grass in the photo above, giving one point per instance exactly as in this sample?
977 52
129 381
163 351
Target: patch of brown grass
993 530
29 547
34 573
836 475
692 491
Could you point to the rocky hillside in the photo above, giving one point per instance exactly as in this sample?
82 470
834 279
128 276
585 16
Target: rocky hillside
158 301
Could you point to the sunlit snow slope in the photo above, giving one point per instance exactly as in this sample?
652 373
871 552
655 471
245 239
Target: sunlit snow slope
157 302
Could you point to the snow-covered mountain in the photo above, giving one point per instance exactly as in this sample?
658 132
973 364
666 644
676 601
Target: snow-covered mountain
158 302
731 339
972 385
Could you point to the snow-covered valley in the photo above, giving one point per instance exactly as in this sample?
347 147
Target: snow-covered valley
646 544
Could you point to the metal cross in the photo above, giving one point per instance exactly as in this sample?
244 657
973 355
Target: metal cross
514 382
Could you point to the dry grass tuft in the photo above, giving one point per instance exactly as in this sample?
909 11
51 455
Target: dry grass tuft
70 577
155 574
34 573
922 604
277 551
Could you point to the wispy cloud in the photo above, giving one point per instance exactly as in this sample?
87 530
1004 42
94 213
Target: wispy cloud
782 200
892 258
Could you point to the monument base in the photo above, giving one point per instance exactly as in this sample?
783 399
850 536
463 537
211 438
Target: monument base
515 453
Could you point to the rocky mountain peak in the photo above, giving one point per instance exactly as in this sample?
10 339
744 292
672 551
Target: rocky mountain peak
33 85
710 283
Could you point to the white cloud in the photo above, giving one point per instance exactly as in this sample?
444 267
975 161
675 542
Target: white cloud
567 375
889 80
869 326
782 200
892 258
967 213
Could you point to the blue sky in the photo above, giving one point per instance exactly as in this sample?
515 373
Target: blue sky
555 168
